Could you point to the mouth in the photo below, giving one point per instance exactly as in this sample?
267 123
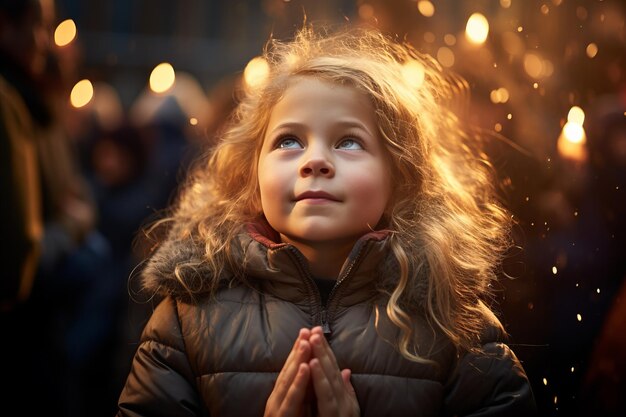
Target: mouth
315 195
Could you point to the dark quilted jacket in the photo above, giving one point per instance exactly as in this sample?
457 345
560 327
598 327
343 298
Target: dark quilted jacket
221 357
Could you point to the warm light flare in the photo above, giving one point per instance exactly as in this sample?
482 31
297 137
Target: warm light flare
571 143
477 29
533 65
501 95
366 11
162 77
426 8
413 73
574 132
256 72
576 115
65 32
445 56
81 94
591 50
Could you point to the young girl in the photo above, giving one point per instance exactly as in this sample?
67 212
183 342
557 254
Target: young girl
332 255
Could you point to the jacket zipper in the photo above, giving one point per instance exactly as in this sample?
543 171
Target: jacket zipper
323 310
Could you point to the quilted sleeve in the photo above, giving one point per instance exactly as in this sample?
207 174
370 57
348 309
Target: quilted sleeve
492 383
161 381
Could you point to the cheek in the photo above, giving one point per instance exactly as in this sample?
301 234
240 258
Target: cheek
271 187
371 193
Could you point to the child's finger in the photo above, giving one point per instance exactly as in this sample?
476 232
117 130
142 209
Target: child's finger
304 334
300 353
330 401
322 351
345 376
326 398
292 403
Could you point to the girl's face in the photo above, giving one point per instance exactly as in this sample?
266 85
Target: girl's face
323 172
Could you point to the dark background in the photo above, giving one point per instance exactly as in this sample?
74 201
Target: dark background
570 231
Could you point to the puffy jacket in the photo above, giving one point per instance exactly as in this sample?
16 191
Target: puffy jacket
221 356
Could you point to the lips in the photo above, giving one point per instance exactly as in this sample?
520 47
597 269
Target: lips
316 195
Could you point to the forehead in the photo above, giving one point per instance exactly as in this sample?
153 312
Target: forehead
307 97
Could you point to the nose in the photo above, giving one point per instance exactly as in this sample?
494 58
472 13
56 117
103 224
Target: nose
317 163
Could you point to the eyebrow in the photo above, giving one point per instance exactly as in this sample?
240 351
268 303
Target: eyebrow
349 123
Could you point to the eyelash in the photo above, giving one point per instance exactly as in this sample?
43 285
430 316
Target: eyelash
355 138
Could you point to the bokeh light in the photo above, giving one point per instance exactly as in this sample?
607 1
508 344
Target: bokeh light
574 133
65 32
591 50
162 77
500 95
445 56
477 29
576 115
81 94
533 65
413 73
256 72
426 8
571 142
366 11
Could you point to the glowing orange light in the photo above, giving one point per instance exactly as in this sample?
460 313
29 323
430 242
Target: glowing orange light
449 39
591 50
193 121
574 133
413 73
533 65
366 11
162 77
445 56
501 95
576 115
477 29
426 8
256 72
571 142
81 94
65 32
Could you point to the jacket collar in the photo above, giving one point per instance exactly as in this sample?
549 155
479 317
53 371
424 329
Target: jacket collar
282 270
276 268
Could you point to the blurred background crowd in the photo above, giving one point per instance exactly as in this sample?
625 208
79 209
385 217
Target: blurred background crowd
105 104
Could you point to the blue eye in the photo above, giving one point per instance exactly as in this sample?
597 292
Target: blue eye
349 144
288 142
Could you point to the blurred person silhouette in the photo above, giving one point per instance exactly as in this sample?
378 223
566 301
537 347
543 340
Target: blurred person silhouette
55 262
168 122
23 49
117 172
604 382
222 101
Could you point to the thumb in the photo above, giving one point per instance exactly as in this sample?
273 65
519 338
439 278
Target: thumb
345 375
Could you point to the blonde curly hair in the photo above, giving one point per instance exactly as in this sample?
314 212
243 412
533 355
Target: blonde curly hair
447 226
